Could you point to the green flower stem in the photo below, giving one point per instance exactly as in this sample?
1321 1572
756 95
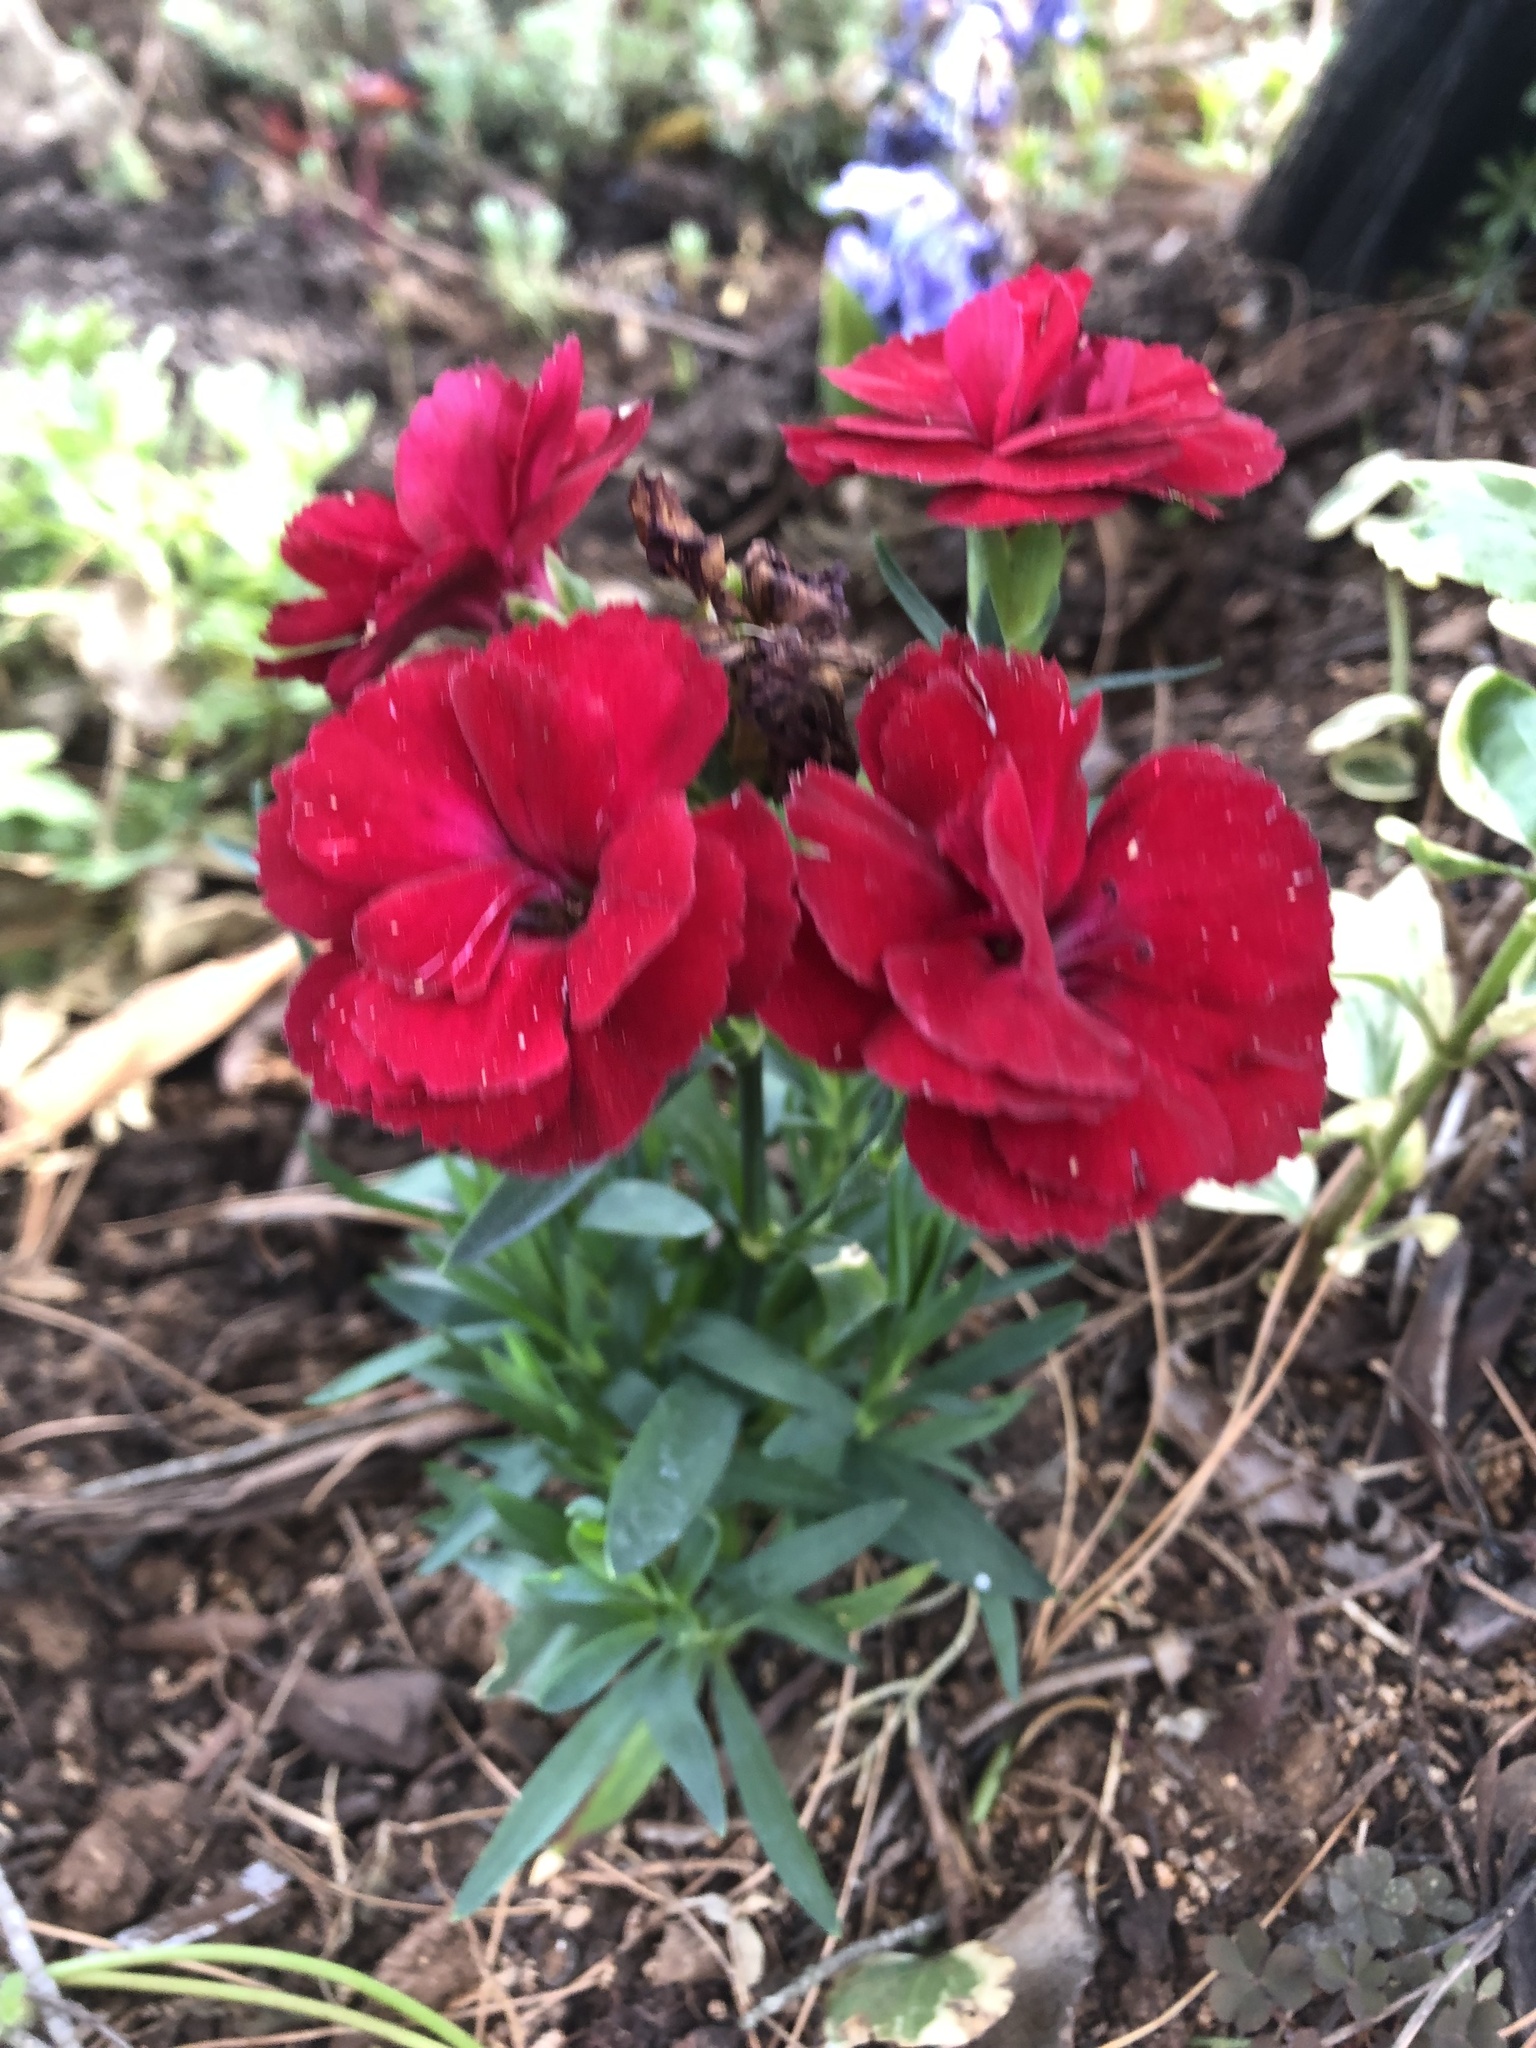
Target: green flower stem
1399 635
81 1973
1019 568
975 579
1453 1052
754 1146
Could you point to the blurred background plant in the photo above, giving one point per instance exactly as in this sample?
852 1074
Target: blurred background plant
139 528
546 87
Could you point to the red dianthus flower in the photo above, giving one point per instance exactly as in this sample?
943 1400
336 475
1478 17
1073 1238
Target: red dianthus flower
1020 417
528 929
1086 1022
489 472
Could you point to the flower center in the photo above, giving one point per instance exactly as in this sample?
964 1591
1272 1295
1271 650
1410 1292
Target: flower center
1096 929
554 914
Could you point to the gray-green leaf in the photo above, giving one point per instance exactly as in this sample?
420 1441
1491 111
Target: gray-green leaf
767 1805
669 1471
516 1205
645 1208
556 1789
682 1735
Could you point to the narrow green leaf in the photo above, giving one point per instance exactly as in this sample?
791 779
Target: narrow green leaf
1142 678
938 1315
556 1789
538 1527
573 593
645 1208
425 1296
697 1549
530 1645
618 1791
864 1606
767 1805
998 1355
986 626
936 1436
398 1362
515 1206
669 1471
808 1555
806 1627
927 619
682 1735
808 1437
734 1351
392 1193
775 1483
1002 1626
583 1674
945 1526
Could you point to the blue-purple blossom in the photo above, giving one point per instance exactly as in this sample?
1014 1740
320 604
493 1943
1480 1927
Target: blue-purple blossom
962 54
982 43
913 128
921 254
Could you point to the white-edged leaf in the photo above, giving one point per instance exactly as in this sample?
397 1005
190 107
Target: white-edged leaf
1467 522
1365 719
1360 490
1373 1044
943 2001
1379 771
1488 752
1445 863
1514 618
1434 1233
1287 1190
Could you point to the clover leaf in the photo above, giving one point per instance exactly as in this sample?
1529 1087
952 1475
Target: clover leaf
1254 1983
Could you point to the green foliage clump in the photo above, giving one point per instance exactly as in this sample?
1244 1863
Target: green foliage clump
1501 210
548 83
139 530
722 1390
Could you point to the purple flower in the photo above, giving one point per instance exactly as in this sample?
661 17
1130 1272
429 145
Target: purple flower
913 128
983 41
963 54
921 254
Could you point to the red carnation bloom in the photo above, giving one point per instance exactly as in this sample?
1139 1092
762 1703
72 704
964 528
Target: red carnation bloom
528 930
1086 1022
1020 417
489 472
